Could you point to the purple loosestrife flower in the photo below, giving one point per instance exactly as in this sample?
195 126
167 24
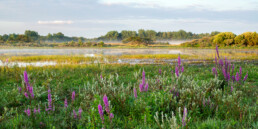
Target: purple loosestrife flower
135 92
146 87
233 78
214 71
28 112
182 69
80 113
101 77
225 74
245 77
26 95
111 116
228 76
105 100
143 77
101 112
26 80
233 68
177 71
216 60
221 63
49 99
35 111
240 72
217 50
73 95
237 77
74 114
160 72
184 117
65 103
31 92
141 87
179 61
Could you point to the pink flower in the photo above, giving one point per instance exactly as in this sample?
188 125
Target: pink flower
101 112
73 95
105 100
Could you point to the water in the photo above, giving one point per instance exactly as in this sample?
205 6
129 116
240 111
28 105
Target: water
106 51
93 52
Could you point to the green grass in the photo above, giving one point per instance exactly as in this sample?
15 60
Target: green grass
230 109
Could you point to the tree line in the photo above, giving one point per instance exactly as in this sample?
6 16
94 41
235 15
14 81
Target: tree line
225 39
33 36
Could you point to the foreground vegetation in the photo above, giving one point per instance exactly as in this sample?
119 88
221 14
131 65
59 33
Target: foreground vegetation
220 95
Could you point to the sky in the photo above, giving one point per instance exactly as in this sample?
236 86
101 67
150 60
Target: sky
93 18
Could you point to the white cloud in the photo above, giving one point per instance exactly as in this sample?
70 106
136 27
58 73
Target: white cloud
57 22
215 5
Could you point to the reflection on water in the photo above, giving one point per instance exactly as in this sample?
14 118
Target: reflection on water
24 64
90 52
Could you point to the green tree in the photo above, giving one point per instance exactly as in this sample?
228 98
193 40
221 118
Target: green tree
112 35
33 35
247 39
224 39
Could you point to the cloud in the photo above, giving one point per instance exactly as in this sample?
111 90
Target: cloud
57 22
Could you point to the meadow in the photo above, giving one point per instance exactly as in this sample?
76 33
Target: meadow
221 94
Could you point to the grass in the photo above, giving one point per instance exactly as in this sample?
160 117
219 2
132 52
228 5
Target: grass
235 109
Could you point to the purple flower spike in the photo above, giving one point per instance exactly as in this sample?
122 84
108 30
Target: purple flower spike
49 99
74 114
26 80
26 94
135 93
80 113
217 50
233 78
146 87
73 95
237 77
179 61
182 69
111 116
65 103
101 113
184 117
31 92
141 87
105 100
143 77
240 72
160 72
28 112
101 77
245 77
221 62
35 111
177 71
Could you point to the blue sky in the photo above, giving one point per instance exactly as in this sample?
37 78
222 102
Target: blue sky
92 18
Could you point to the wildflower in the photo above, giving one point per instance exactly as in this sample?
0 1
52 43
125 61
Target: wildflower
35 111
31 92
79 113
101 77
141 87
214 71
26 95
160 72
240 72
74 114
26 80
179 61
135 93
143 77
237 77
221 62
225 74
182 69
105 100
28 112
233 78
73 95
49 99
39 109
184 117
65 103
146 87
101 112
217 50
177 71
111 116
245 77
